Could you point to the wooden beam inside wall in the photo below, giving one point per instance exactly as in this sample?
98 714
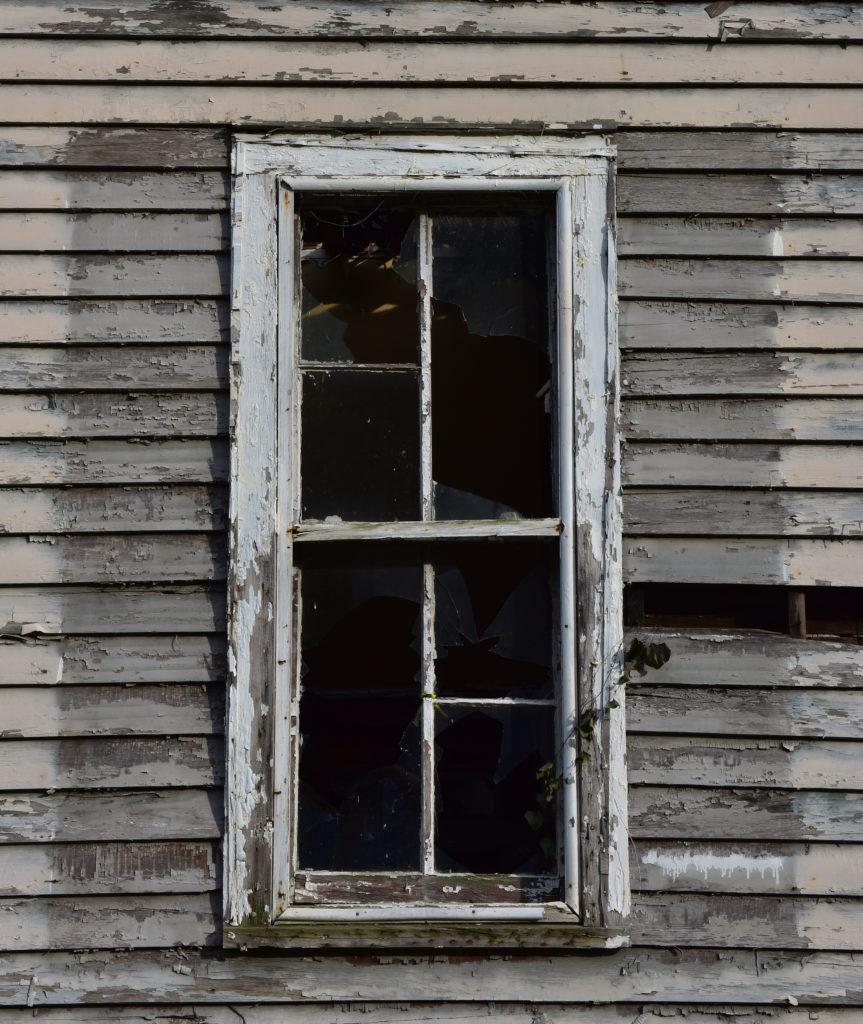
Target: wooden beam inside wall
797 613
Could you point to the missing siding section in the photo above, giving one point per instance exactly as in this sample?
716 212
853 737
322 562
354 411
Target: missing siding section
819 613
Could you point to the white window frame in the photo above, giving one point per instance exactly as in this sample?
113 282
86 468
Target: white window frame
268 170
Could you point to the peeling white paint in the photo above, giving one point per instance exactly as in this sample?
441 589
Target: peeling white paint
677 864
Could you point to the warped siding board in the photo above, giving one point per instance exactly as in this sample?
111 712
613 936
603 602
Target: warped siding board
36 276
812 869
105 922
139 461
740 373
742 280
744 815
785 465
107 710
758 921
448 19
87 322
76 817
126 414
720 325
106 509
528 108
792 713
550 62
113 558
28 661
108 368
115 190
109 763
649 975
719 512
794 561
107 146
715 236
710 657
131 609
708 761
79 869
123 232
753 419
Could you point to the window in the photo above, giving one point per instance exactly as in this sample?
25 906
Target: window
426 746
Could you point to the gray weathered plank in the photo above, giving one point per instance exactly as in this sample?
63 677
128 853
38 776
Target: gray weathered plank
90 321
106 509
720 325
741 465
111 763
181 608
742 373
138 461
143 367
102 415
792 561
113 558
106 710
754 419
79 869
97 816
107 146
114 190
813 869
123 232
726 236
722 279
714 511
27 661
729 761
745 815
31 275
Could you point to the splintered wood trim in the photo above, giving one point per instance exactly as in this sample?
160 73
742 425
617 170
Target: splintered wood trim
452 529
322 887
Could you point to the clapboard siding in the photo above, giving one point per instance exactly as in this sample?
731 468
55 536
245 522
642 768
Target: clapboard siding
117 190
131 232
151 367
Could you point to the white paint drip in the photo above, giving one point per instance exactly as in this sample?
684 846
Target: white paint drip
677 864
776 244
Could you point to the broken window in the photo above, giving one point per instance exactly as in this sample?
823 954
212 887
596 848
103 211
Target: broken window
432 650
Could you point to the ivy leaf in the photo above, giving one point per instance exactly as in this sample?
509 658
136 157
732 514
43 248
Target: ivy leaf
534 819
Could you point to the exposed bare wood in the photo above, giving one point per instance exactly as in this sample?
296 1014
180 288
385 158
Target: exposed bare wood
112 711
729 761
110 763
813 869
131 609
139 461
86 322
743 151
105 509
741 465
117 190
79 869
715 511
97 816
719 325
711 419
797 613
760 373
528 108
124 232
796 561
714 236
97 416
29 275
745 815
105 146
449 530
745 280
112 659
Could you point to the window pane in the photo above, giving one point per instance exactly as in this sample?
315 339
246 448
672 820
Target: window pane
491 373
359 292
360 445
359 770
492 813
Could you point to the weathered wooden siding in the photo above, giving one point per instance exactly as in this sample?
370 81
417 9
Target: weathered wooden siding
739 128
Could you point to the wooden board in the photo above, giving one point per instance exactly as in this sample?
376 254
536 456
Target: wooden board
122 232
729 151
31 275
86 869
115 190
107 146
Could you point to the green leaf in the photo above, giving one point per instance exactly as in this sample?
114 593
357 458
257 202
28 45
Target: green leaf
614 704
534 819
546 844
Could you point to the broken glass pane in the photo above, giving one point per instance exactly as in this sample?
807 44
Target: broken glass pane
493 623
359 291
359 768
360 445
492 814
